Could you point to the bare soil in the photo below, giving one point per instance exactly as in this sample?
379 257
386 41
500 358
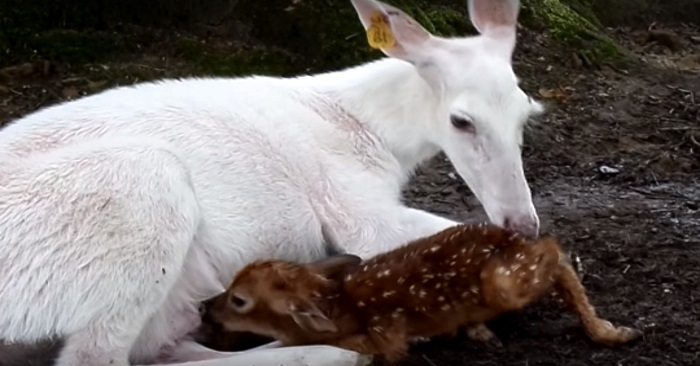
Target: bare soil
615 171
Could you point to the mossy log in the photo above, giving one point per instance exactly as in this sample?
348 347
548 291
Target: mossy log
572 23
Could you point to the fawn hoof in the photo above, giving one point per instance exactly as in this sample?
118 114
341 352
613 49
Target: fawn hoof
480 333
628 334
612 336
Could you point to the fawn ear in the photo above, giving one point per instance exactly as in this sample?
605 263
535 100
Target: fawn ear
336 266
393 31
309 317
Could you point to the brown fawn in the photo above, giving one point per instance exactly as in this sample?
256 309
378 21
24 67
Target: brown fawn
465 275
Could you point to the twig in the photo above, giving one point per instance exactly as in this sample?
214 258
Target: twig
149 67
693 140
669 119
679 128
428 360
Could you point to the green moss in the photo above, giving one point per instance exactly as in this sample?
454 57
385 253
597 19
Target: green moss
189 49
259 61
575 28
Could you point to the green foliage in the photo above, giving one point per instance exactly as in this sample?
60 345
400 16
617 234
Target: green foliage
280 37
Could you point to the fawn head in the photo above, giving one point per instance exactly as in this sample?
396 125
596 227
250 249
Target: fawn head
481 110
270 297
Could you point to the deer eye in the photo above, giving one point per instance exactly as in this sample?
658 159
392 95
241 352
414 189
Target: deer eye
462 123
238 303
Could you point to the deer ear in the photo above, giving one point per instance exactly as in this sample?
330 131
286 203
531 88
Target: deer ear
393 31
336 266
309 317
497 20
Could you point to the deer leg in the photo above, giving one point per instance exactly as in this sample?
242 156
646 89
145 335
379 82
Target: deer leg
289 356
574 295
99 234
360 343
418 223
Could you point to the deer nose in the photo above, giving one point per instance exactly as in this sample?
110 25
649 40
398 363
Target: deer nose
527 226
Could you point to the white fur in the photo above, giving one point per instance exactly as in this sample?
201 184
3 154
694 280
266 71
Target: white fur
120 212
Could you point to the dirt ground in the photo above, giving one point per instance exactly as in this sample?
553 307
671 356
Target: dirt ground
615 171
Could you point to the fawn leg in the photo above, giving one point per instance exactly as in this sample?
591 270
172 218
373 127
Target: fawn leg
481 333
390 342
574 295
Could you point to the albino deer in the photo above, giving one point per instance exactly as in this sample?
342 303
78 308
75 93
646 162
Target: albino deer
465 275
121 212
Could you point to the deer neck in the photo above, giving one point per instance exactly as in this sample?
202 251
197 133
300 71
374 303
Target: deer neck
391 101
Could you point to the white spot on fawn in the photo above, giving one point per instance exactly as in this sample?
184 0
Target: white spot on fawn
361 304
435 248
422 294
445 307
441 298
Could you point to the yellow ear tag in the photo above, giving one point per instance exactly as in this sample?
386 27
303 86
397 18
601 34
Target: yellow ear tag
379 33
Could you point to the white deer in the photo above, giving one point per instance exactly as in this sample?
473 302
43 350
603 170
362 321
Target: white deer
120 212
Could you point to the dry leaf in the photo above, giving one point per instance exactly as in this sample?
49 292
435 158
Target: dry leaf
70 92
690 62
96 85
556 93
